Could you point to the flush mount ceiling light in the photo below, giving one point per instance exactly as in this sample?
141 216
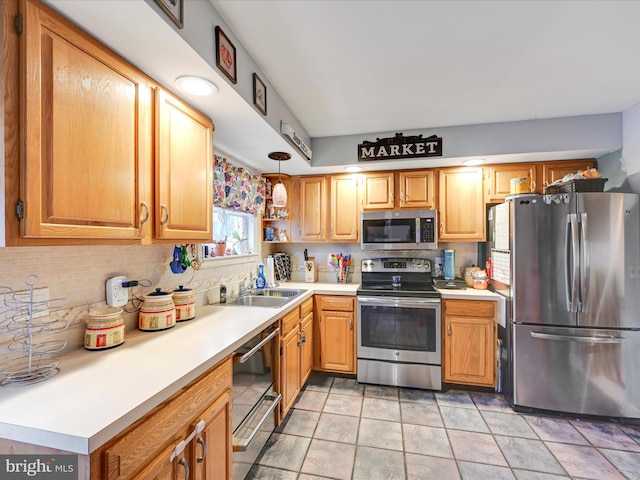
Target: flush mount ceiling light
196 85
279 193
353 169
472 162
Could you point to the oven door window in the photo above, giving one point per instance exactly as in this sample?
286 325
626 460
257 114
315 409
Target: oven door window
397 230
398 328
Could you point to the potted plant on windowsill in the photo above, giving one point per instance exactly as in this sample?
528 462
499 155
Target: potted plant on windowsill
240 247
220 247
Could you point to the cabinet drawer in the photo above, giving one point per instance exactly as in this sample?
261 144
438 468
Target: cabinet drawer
470 308
290 320
157 430
336 303
306 307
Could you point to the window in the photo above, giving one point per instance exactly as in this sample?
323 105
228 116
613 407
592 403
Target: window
237 228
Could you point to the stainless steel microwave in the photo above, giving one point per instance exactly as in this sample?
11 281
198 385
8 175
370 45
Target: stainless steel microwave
399 230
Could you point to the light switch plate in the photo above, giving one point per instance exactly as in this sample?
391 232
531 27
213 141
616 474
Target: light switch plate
117 295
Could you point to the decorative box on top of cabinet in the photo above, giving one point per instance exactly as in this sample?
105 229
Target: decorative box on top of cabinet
95 185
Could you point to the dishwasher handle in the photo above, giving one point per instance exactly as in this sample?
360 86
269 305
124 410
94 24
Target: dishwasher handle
250 353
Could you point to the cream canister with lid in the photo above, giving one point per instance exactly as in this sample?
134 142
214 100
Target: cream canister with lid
157 312
185 302
105 329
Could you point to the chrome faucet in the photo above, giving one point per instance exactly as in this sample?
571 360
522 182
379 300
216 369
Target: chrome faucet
243 289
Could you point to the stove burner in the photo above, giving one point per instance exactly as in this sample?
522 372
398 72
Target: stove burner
415 273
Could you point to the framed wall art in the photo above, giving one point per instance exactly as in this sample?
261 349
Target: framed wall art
226 55
174 10
259 94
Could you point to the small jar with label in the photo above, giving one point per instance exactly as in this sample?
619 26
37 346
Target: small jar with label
480 280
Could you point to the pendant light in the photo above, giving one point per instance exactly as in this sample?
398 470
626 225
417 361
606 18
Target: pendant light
279 193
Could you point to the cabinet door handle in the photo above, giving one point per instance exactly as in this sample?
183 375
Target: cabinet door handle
304 336
441 227
163 208
144 205
184 463
351 324
299 338
204 450
449 329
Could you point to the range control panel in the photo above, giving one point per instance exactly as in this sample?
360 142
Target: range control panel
421 265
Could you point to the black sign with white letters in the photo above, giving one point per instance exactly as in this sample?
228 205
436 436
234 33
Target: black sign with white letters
400 147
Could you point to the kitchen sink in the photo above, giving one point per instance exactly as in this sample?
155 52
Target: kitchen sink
269 297
260 301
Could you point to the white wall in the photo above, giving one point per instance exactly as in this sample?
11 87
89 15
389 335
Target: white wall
631 140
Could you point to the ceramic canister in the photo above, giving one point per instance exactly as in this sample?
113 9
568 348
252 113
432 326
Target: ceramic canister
157 312
105 329
185 302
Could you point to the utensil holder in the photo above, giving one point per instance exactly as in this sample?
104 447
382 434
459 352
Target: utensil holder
310 272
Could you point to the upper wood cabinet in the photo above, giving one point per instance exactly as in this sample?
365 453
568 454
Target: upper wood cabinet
87 134
184 188
344 211
312 208
378 191
461 201
417 189
552 171
498 179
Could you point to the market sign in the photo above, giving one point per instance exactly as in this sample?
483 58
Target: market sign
400 147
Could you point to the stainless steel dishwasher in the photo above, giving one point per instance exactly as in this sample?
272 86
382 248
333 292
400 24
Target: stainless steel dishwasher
255 366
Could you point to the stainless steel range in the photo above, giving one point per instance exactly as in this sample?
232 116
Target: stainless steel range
399 324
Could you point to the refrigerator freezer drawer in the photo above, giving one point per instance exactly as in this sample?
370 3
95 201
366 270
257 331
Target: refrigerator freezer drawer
576 370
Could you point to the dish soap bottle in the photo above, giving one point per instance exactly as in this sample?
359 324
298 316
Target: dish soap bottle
261 281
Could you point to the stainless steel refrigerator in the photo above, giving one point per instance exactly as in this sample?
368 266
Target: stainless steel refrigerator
569 268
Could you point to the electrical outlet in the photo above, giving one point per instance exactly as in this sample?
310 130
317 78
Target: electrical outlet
117 295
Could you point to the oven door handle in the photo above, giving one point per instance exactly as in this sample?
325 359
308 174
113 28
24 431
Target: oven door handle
251 352
241 447
399 301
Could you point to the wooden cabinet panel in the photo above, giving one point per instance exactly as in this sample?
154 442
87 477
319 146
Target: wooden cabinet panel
378 191
417 189
312 208
552 171
334 342
306 353
164 427
163 469
290 370
184 186
344 217
290 320
87 134
211 450
461 204
498 179
469 337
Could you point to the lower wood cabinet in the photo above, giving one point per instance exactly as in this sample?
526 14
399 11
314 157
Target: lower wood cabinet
296 353
145 449
469 342
335 334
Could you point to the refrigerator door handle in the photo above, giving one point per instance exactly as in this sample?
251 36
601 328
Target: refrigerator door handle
585 265
571 270
579 338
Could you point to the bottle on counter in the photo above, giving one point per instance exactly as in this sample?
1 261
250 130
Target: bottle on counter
261 280
223 292
449 264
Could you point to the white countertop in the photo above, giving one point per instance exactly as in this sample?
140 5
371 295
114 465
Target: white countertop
97 394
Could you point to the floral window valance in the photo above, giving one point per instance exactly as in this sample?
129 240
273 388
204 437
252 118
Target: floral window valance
236 188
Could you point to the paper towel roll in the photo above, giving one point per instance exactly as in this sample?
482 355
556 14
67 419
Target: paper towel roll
270 272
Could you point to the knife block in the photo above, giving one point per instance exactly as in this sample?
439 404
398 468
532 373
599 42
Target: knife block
310 272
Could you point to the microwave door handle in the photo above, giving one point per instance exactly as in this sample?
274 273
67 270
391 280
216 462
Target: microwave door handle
571 256
251 352
585 264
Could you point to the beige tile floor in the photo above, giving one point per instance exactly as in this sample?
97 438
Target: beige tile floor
339 429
